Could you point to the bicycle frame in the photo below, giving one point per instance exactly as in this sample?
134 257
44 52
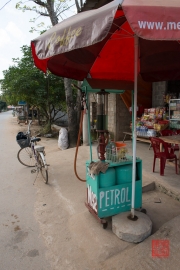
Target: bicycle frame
29 125
44 160
33 155
33 151
32 144
40 162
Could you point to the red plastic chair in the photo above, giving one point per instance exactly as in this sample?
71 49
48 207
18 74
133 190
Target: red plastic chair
162 155
177 131
166 132
169 132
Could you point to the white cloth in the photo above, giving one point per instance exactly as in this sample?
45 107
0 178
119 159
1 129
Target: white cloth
63 142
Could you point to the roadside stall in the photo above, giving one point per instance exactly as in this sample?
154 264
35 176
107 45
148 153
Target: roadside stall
152 121
113 47
150 124
109 178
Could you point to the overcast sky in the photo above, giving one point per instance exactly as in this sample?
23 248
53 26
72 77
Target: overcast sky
14 31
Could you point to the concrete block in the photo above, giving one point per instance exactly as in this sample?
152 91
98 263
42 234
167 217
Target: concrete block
148 187
133 231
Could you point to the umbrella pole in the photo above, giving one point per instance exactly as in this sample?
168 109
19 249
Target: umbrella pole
89 125
134 124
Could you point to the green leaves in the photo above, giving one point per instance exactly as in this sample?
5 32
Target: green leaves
23 81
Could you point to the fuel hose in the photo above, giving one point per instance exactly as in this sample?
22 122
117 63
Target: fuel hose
77 146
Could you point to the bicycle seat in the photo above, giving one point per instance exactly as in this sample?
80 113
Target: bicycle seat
35 139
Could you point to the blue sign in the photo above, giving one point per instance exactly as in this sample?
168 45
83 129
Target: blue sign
22 103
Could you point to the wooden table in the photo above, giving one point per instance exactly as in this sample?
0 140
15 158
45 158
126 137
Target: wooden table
127 133
138 138
174 139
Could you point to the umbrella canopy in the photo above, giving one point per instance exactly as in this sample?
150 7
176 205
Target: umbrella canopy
99 44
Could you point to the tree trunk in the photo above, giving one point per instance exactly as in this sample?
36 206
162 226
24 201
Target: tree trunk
72 114
73 109
48 104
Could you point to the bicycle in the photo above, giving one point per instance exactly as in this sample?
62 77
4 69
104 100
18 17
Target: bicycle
31 154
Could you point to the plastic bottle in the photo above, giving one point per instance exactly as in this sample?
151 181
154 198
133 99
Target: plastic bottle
109 150
113 158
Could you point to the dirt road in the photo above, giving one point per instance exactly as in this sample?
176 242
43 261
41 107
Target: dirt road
48 226
21 244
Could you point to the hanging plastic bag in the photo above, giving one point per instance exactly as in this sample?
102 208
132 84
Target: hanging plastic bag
63 139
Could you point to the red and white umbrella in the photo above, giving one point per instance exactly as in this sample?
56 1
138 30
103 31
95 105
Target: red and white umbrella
100 43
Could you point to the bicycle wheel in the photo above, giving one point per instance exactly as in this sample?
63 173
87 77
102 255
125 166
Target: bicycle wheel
26 157
44 171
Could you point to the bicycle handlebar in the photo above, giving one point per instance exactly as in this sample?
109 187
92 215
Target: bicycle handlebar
29 131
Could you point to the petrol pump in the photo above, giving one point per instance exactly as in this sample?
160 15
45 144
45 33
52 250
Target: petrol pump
108 193
102 122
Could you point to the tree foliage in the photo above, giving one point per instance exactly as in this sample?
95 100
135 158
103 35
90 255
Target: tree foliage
55 9
23 81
